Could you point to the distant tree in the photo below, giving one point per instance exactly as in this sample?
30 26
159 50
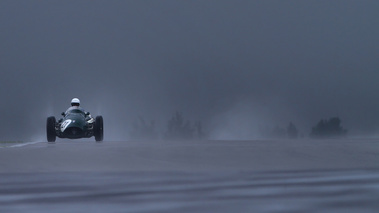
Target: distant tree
143 130
328 128
178 128
292 131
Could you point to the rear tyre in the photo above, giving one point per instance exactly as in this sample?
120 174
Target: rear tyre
98 129
50 129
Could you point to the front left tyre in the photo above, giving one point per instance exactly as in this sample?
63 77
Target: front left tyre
50 129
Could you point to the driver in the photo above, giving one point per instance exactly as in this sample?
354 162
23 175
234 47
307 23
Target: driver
75 104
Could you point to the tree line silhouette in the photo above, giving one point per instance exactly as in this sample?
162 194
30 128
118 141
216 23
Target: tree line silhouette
179 128
328 129
325 128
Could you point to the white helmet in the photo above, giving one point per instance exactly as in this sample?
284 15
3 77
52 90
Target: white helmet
75 101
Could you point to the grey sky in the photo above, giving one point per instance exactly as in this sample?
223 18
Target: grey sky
234 65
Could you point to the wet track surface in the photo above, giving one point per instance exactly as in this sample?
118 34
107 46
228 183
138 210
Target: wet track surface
328 191
190 177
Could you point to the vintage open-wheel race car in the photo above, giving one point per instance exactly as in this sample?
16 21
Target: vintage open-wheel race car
75 124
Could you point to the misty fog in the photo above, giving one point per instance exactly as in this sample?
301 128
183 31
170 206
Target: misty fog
234 65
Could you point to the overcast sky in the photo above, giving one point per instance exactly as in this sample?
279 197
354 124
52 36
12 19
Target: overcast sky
235 65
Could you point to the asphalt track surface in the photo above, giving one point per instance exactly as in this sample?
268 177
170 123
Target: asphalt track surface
191 176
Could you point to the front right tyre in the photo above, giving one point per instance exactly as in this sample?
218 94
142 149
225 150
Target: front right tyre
98 129
50 129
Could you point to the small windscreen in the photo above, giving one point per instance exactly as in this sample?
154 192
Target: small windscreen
76 111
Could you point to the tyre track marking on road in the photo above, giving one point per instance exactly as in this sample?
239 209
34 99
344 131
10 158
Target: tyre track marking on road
20 145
